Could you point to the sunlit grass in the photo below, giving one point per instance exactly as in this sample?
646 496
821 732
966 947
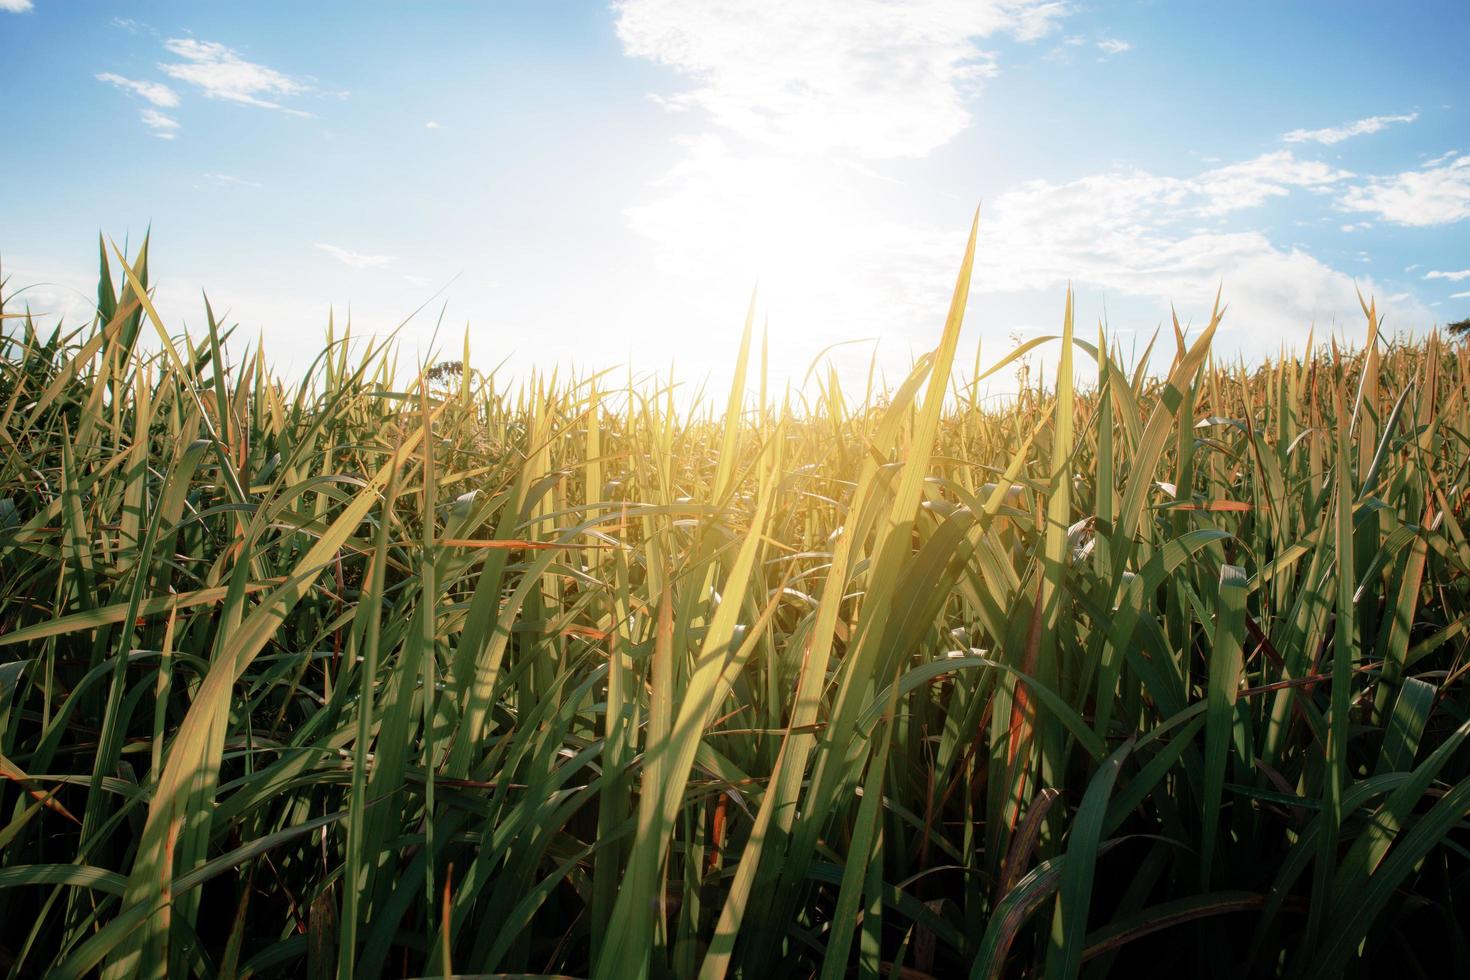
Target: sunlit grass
353 677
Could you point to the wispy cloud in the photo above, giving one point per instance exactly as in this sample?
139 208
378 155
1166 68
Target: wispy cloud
1126 233
1464 295
789 94
126 24
1213 193
1451 276
15 6
828 256
163 126
1252 182
156 92
431 124
1432 196
356 260
879 79
220 73
229 180
1336 134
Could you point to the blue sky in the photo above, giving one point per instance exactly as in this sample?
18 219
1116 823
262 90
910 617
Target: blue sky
591 184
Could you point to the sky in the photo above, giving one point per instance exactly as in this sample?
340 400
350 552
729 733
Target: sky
583 185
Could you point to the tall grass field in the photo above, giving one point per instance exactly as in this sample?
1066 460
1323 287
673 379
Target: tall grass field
1137 673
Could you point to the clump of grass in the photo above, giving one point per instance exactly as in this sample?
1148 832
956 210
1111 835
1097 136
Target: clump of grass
344 677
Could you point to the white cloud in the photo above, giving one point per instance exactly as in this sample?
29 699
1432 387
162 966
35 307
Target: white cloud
789 94
229 180
163 126
756 200
156 92
1111 46
1122 233
15 6
1249 184
833 261
1464 295
356 260
220 73
1434 196
1128 198
880 79
126 24
1337 134
431 124
1451 276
